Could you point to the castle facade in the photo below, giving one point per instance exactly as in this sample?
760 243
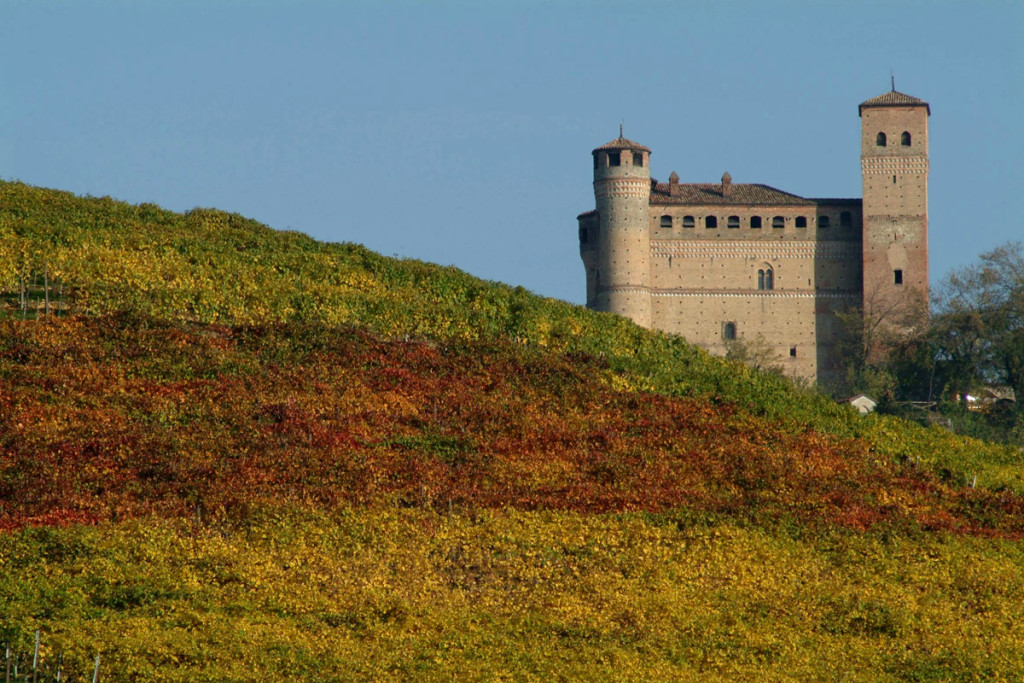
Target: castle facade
726 263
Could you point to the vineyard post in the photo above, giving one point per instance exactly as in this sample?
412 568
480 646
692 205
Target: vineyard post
96 670
7 658
35 659
46 287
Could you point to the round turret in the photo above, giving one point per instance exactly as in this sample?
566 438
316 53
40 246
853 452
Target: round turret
621 263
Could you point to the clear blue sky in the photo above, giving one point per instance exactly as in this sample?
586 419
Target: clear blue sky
460 132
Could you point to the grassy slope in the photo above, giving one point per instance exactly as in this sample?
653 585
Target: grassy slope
749 528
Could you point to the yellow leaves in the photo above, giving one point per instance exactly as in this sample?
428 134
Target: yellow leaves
368 592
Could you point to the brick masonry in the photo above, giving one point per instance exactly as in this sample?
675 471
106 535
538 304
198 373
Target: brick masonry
717 260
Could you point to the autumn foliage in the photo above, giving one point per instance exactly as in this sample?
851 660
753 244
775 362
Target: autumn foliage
115 417
229 453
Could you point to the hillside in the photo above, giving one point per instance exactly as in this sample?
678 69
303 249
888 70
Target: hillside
237 453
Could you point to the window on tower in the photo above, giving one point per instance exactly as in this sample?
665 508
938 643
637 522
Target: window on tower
905 139
666 221
822 221
801 221
845 219
755 221
880 140
765 279
778 222
689 222
614 159
710 221
734 222
729 332
897 277
638 159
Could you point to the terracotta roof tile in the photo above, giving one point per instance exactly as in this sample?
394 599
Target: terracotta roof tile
737 194
623 143
894 98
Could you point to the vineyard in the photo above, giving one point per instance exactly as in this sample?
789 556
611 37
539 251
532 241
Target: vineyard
232 453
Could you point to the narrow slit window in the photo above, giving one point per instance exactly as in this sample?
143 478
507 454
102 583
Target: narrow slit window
583 235
760 279
769 279
897 277
792 352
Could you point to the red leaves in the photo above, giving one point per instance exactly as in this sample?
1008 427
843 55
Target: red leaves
290 413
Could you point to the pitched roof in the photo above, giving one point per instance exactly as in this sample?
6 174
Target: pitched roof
894 99
623 143
736 194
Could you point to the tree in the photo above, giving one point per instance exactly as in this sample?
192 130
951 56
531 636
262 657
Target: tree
978 329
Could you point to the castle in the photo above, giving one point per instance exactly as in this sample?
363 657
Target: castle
727 263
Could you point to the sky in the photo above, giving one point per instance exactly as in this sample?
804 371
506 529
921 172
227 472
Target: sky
460 132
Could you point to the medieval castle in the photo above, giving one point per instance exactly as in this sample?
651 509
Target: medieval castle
721 263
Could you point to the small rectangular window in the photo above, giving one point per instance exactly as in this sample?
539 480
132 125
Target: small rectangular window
755 221
778 222
792 351
845 219
666 221
583 235
801 221
711 221
638 159
689 222
897 276
734 221
614 159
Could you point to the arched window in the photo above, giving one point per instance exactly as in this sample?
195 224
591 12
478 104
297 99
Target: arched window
729 332
905 139
688 222
734 221
666 221
845 219
822 221
710 221
801 221
778 222
769 279
755 221
880 140
760 279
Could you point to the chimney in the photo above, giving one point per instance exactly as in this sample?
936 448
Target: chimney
726 182
673 184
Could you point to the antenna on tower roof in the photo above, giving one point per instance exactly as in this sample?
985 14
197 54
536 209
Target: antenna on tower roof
620 129
892 79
